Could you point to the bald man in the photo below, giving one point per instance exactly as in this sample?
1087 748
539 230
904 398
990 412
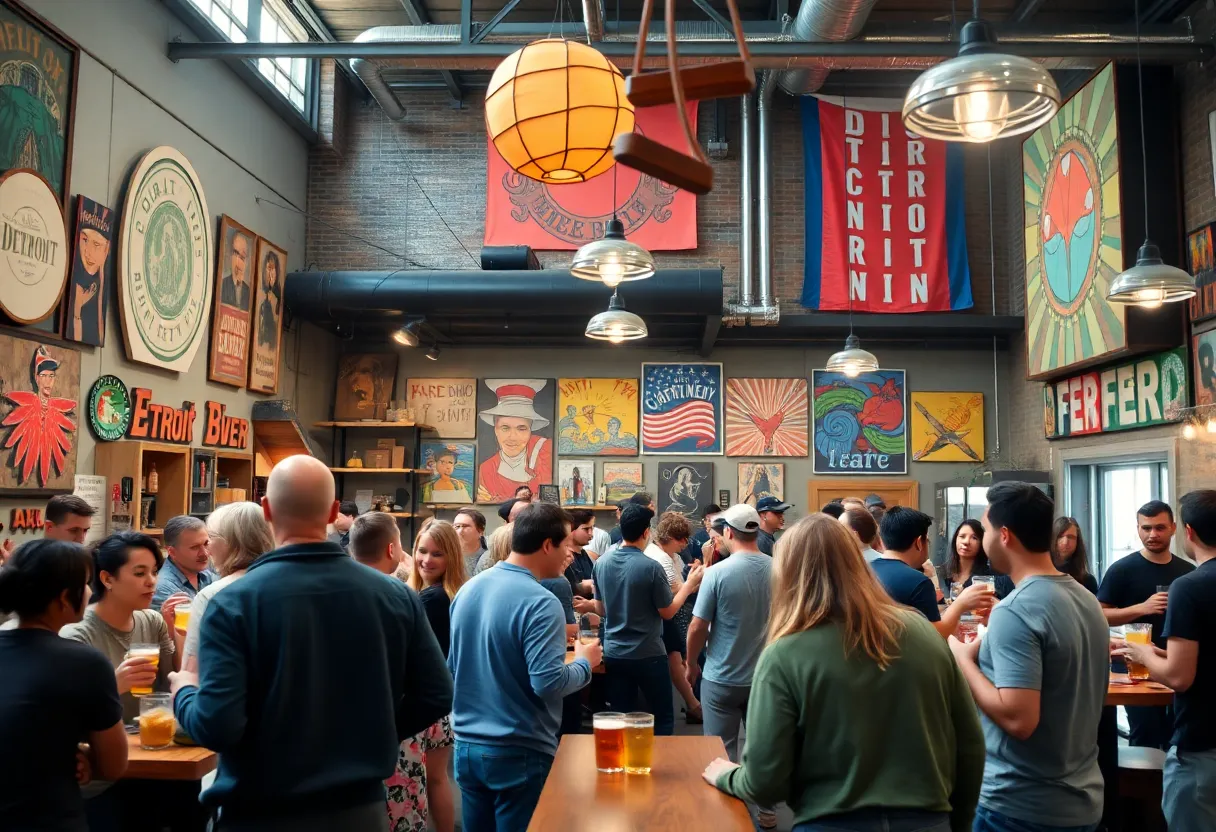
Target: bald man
312 670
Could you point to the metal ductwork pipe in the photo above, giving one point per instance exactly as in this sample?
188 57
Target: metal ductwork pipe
764 106
593 18
371 72
823 20
747 199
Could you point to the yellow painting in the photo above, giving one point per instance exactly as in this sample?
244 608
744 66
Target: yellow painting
947 427
597 416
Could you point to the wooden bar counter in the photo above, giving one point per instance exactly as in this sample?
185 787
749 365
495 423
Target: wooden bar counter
672 796
177 762
1120 692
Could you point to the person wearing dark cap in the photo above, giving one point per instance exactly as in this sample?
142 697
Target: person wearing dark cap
873 500
833 509
634 597
772 520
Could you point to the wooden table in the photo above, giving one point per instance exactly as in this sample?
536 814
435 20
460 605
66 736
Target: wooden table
672 796
177 762
599 668
1149 694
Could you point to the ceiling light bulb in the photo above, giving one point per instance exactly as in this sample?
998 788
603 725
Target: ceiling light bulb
1188 431
612 274
982 115
1211 426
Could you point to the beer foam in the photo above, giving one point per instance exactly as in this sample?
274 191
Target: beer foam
609 724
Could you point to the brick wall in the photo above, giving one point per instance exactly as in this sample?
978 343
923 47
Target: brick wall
417 188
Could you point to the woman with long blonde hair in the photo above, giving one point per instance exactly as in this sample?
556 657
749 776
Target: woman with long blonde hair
859 717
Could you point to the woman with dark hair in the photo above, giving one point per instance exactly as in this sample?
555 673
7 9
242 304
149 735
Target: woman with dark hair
1068 552
124 577
966 559
55 692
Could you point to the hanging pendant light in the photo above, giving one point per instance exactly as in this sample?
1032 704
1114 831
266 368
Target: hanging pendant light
852 360
981 95
1150 282
612 259
617 324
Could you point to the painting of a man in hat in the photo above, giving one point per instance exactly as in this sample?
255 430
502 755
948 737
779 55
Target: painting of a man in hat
511 414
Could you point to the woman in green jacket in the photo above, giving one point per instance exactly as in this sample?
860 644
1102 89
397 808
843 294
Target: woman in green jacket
859 718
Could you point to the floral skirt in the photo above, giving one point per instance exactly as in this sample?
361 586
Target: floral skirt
406 789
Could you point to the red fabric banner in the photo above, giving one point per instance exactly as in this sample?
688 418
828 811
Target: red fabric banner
884 214
522 211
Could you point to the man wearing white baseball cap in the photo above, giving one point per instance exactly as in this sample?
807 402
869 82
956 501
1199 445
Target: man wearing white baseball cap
735 598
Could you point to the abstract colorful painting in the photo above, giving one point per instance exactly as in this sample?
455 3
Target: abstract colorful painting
597 416
1203 351
761 479
1201 263
576 478
514 436
947 427
452 466
39 414
1073 232
766 417
860 423
622 480
681 409
686 487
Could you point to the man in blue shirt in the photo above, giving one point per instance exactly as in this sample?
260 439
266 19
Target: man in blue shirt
634 597
508 655
312 670
187 567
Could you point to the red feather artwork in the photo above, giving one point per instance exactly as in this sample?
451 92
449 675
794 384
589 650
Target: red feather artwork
40 421
766 417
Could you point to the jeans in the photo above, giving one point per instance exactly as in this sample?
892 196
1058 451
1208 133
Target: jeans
651 676
987 820
1188 794
1150 727
879 820
500 785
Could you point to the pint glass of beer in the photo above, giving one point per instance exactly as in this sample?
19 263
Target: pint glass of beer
149 651
1137 634
639 743
609 729
155 721
181 617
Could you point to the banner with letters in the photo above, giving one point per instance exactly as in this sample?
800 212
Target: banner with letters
884 213
521 211
1137 393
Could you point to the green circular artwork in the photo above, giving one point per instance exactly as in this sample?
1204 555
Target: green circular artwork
109 408
167 260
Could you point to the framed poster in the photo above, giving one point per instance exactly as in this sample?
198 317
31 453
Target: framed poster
948 427
766 417
365 386
761 479
39 415
597 416
38 71
514 436
449 405
88 295
681 409
165 268
229 359
686 487
576 478
271 267
622 480
1203 351
453 467
860 423
34 254
550 494
1201 263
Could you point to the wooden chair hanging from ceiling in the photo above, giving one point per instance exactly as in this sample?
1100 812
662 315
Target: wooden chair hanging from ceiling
693 172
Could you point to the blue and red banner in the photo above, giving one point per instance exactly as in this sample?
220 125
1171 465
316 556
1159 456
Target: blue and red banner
884 214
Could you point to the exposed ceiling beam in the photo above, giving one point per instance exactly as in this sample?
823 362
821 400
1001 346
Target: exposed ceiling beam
1163 10
714 15
418 16
494 21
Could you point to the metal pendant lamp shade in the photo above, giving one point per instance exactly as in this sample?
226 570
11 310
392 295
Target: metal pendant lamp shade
612 259
1151 282
852 360
981 95
617 324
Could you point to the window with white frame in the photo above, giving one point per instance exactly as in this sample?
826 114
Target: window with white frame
1104 495
231 17
288 75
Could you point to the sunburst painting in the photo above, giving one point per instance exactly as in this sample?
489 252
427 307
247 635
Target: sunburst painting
766 417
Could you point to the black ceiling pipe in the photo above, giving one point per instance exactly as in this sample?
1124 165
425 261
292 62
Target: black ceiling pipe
338 296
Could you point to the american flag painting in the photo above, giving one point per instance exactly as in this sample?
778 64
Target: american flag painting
681 408
766 417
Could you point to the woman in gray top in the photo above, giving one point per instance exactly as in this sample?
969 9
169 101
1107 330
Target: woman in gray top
124 578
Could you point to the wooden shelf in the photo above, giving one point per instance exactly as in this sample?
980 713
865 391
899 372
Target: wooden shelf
371 424
399 514
153 532
377 470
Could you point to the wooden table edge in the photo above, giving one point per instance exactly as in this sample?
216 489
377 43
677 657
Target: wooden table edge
168 763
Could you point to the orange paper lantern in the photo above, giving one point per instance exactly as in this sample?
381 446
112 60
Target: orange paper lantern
553 110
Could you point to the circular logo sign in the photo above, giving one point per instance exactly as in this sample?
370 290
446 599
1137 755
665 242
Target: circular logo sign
165 266
109 408
33 247
1070 223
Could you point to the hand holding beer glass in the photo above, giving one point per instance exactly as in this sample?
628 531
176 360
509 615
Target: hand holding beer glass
1137 634
137 673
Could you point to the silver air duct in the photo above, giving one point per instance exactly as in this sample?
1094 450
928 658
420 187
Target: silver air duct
371 72
823 20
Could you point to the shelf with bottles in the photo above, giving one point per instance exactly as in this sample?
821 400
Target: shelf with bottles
156 475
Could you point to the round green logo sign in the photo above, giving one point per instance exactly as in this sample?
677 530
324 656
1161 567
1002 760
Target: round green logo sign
167 260
109 408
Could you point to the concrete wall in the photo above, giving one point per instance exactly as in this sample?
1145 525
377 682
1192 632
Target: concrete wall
130 99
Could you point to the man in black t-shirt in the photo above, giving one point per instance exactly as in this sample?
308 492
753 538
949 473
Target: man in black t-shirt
1188 665
1129 593
581 568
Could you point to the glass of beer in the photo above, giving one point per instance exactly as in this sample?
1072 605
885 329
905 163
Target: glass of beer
609 730
1137 634
156 721
639 743
986 581
968 628
181 617
148 651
